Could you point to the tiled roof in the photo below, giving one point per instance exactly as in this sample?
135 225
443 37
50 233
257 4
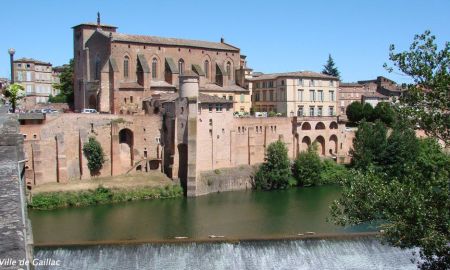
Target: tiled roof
168 41
211 87
31 60
204 98
303 74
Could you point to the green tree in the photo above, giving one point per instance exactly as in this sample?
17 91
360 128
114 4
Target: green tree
94 154
369 145
14 93
65 85
385 113
367 112
330 68
427 99
414 207
308 167
354 112
275 173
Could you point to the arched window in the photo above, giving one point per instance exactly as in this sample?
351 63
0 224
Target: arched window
126 62
206 67
97 68
154 68
181 66
229 70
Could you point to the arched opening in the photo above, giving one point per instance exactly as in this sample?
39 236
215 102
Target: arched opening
333 147
92 102
206 67
320 125
126 142
229 71
320 141
153 164
139 168
306 142
139 73
154 68
181 66
306 126
126 65
183 165
333 125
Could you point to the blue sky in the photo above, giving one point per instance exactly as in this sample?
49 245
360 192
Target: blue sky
276 36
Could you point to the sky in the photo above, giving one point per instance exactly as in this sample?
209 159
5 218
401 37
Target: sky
276 36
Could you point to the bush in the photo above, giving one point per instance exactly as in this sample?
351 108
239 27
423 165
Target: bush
101 195
332 173
275 173
307 167
94 154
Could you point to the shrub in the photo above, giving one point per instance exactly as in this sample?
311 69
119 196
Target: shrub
94 154
307 167
275 173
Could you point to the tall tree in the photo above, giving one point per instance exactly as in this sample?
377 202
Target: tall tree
330 68
354 112
66 84
427 99
14 93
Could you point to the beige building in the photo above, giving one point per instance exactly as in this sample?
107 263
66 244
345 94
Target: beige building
36 77
300 94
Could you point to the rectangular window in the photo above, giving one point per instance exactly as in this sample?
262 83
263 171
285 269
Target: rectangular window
230 98
312 95
311 110
224 96
300 94
257 85
131 99
342 103
270 95
19 76
331 95
210 107
319 111
263 95
28 76
300 82
257 96
29 89
218 107
264 85
331 110
242 98
331 83
320 95
312 83
271 84
300 111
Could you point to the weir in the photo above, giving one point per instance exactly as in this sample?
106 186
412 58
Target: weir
359 253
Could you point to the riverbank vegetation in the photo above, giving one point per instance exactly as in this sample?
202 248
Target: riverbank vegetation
307 170
398 178
101 195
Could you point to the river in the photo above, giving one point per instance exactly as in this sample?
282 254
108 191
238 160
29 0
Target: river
234 215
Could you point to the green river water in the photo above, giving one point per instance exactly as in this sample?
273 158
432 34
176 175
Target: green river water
237 215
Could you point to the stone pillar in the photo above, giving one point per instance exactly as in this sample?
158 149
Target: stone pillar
115 150
61 161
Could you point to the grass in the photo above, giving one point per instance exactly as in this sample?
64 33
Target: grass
101 195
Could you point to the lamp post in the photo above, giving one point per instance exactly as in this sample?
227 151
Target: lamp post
11 58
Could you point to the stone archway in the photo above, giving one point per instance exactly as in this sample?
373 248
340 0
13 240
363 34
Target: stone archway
333 125
333 146
306 142
126 143
320 145
320 125
306 126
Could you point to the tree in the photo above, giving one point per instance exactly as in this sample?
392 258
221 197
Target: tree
414 207
367 112
275 173
427 99
369 145
65 85
330 68
14 93
354 112
385 113
307 167
94 154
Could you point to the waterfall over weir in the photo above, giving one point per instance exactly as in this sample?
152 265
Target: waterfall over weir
359 253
